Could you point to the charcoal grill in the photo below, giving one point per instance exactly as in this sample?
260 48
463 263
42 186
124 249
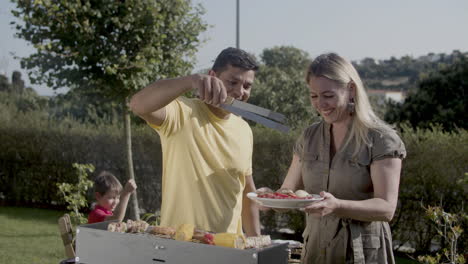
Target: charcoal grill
96 245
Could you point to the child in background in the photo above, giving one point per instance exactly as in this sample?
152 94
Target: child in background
108 192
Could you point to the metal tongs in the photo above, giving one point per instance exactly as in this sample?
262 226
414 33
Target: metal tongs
256 113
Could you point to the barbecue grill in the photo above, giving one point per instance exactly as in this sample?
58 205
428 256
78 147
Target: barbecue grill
96 245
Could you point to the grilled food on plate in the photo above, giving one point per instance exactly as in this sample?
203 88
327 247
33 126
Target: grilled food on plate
266 192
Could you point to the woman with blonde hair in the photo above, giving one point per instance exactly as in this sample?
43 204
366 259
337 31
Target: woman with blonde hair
353 159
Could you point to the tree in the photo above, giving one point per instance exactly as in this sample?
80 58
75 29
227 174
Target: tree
17 83
85 107
441 98
24 98
280 84
287 58
112 48
4 84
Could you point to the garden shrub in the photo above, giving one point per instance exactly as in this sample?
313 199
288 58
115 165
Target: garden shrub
432 175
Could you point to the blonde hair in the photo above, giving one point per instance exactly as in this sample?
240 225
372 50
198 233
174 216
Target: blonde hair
336 68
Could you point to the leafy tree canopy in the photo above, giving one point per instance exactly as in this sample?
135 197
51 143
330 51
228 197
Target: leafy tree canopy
111 48
441 98
115 47
280 84
25 99
402 74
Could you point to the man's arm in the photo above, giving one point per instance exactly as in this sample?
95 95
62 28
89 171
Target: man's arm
250 214
150 102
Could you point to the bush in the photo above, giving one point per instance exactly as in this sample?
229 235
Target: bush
449 230
38 152
271 159
436 162
74 195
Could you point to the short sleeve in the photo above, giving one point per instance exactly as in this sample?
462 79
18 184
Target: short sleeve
387 145
249 171
175 113
96 216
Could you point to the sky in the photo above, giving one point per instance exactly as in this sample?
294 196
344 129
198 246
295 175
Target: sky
354 29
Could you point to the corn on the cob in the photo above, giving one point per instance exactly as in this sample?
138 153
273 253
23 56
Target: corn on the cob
229 240
184 232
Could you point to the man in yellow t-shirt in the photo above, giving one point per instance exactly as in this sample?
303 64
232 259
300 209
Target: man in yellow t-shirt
207 151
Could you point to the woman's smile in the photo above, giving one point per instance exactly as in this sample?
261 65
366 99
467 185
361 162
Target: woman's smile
326 112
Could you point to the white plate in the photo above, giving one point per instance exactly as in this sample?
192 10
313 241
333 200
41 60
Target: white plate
284 203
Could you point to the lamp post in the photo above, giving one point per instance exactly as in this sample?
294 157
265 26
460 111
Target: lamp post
237 24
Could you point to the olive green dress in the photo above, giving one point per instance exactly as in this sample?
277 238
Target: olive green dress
331 239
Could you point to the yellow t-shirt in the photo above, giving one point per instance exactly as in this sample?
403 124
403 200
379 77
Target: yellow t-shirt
205 162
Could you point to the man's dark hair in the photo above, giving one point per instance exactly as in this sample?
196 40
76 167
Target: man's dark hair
236 58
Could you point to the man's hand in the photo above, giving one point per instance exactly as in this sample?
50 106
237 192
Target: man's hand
130 186
209 89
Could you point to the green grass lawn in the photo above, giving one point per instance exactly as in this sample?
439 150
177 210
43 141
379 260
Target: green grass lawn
30 236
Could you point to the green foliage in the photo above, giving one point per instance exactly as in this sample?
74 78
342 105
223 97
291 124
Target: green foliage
75 194
280 84
271 159
441 98
287 58
402 74
109 48
114 47
436 160
85 107
152 218
448 229
38 152
17 84
25 99
5 85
